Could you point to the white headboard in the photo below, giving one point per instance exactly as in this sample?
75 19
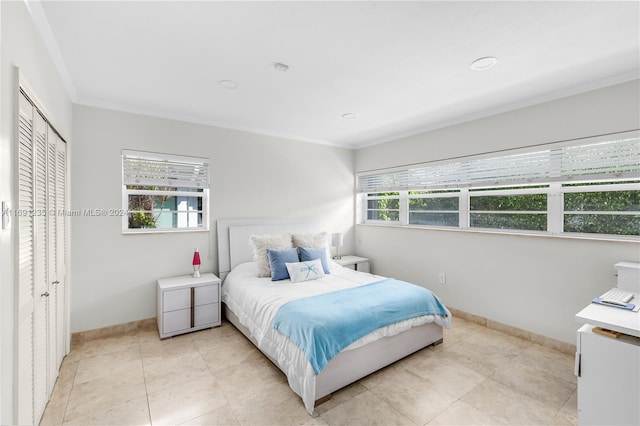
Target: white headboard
234 234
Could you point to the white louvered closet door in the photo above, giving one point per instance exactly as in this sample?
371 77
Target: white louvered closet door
41 342
26 262
43 262
60 282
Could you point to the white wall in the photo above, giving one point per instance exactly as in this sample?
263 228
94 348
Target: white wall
252 175
533 283
20 46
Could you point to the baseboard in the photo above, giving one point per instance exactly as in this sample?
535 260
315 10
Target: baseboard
113 330
564 347
548 342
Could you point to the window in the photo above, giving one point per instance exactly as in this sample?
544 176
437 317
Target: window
523 208
591 186
383 206
434 208
602 208
163 192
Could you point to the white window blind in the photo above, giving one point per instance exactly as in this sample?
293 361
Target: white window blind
155 169
613 157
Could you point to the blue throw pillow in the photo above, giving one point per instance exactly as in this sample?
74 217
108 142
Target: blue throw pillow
277 260
307 254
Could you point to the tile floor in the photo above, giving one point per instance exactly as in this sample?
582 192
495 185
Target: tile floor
216 377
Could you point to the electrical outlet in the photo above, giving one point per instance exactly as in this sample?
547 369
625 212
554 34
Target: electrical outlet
442 277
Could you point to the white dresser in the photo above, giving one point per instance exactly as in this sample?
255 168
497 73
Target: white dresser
186 304
608 364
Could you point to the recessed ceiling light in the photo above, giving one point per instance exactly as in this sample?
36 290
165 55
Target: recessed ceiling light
485 63
228 84
280 66
349 115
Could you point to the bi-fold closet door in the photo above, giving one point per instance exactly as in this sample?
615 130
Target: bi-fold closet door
42 257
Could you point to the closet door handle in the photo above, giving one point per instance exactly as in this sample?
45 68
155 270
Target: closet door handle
45 294
56 282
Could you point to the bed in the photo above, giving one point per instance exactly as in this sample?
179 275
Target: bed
252 304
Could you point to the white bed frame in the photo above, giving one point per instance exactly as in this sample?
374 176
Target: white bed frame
348 366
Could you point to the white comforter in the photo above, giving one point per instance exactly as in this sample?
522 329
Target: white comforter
255 301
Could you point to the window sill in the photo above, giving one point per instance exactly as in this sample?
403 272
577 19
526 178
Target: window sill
161 231
609 238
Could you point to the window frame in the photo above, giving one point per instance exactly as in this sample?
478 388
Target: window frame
613 168
186 186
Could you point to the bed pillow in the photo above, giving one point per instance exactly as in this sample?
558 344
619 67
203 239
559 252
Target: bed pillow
310 253
305 271
261 243
320 239
277 260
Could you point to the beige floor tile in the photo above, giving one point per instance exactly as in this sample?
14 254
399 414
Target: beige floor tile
507 405
107 345
538 384
175 371
382 375
485 352
154 350
552 361
108 364
341 396
276 406
445 375
221 417
216 337
104 392
461 413
132 412
413 396
365 409
252 376
67 373
230 353
181 403
568 414
53 414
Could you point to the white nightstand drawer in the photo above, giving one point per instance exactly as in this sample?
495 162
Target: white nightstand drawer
176 299
176 320
206 314
206 294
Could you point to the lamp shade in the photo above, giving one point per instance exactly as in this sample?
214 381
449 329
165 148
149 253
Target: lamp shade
337 239
196 258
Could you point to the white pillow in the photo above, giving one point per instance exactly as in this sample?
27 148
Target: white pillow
305 271
321 239
260 245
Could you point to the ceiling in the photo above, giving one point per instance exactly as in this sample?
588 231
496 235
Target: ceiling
400 67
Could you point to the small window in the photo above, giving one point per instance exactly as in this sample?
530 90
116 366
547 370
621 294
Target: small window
508 209
434 208
383 207
163 192
604 208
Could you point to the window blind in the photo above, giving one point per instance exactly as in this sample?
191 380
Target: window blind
154 169
616 157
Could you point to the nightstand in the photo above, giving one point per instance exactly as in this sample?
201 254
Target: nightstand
354 262
186 304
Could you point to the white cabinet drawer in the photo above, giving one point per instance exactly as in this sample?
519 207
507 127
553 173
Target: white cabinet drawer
176 299
205 295
206 314
176 320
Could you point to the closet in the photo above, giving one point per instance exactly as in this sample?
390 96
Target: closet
42 259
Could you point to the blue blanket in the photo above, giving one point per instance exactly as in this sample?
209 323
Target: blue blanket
324 325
